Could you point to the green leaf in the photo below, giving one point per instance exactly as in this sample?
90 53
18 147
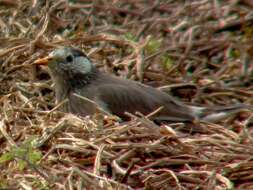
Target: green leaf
6 157
233 53
21 164
129 36
19 152
22 154
153 46
34 156
167 62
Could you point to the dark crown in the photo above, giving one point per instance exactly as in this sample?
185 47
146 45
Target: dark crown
77 52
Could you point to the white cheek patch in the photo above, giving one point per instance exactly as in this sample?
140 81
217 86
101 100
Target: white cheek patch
82 65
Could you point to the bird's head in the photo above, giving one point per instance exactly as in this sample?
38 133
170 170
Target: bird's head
67 64
67 61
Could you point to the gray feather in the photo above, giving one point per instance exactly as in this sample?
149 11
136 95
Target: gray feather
73 73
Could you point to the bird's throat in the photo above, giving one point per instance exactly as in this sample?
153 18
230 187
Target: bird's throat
74 82
80 80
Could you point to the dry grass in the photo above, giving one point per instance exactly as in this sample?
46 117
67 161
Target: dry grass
201 51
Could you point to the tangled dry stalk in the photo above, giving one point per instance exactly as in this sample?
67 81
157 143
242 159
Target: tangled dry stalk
200 51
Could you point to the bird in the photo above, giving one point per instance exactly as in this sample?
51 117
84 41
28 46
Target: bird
86 89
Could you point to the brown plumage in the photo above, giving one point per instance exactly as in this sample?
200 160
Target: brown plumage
73 73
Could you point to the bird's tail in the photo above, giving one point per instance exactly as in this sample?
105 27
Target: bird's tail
215 114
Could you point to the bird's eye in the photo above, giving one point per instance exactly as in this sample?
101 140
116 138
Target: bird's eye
69 58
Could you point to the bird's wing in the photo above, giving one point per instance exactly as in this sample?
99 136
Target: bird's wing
121 98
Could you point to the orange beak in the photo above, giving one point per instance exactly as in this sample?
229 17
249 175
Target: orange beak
43 61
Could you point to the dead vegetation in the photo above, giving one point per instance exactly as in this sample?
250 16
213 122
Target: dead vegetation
200 51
